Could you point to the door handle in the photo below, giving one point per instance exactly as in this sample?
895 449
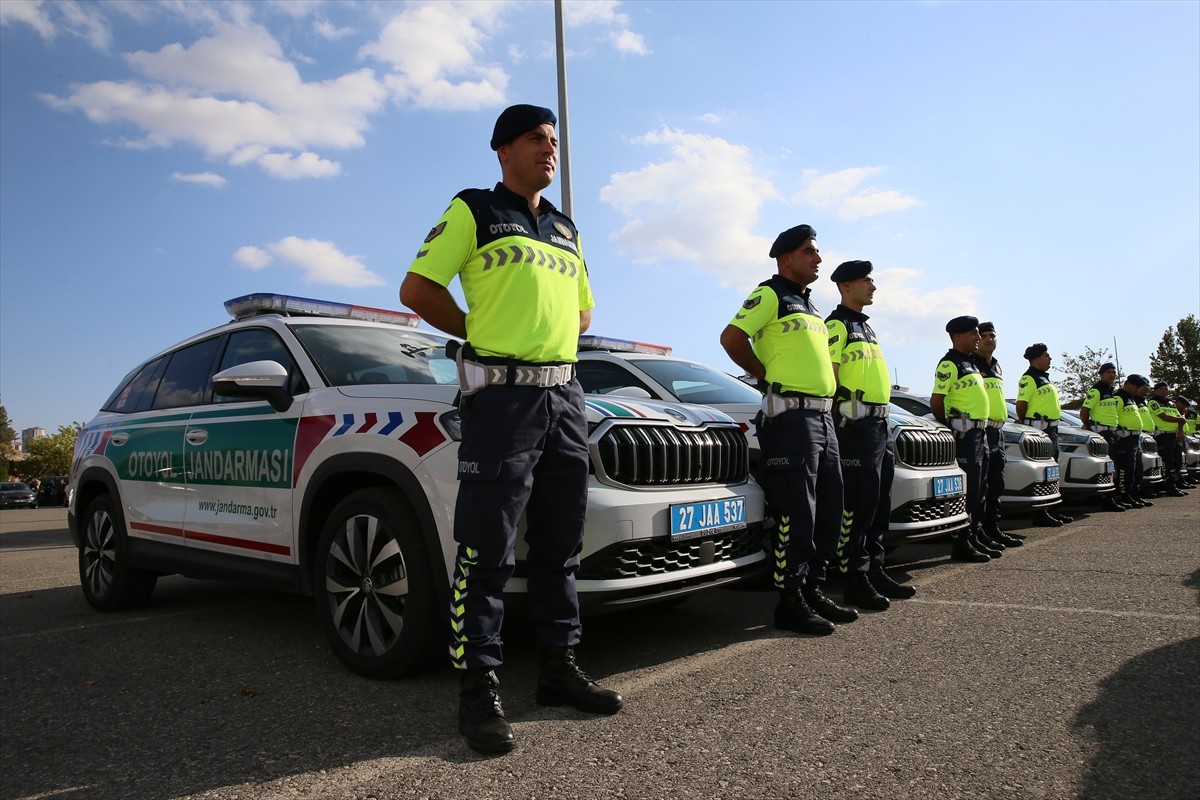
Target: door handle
196 436
118 439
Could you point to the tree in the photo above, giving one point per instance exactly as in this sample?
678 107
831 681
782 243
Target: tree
7 435
1079 373
1177 360
51 455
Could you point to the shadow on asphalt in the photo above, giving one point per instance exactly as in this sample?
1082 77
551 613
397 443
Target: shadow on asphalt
1150 705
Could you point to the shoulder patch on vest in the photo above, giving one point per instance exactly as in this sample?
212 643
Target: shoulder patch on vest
435 232
752 302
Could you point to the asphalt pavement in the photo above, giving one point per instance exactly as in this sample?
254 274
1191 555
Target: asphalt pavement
1069 668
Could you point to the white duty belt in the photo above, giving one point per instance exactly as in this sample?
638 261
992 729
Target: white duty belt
474 376
774 404
1041 424
961 423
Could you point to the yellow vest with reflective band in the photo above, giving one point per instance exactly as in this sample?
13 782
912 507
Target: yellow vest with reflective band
958 378
993 381
1193 422
523 278
1147 417
1039 395
1158 408
1129 416
788 336
1102 405
855 349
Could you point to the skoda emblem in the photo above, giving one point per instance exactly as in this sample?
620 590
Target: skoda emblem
676 413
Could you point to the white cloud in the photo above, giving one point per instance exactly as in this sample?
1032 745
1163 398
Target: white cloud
202 178
839 192
434 52
330 31
306 165
908 312
34 13
699 205
252 257
233 95
318 261
577 13
629 42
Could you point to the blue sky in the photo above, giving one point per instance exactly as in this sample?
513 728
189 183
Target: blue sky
1036 164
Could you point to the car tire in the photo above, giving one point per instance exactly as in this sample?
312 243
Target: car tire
374 586
109 582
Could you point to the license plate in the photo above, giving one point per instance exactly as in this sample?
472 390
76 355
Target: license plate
712 516
1052 473
1109 467
951 484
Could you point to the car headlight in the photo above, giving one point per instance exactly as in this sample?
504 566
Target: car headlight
1073 438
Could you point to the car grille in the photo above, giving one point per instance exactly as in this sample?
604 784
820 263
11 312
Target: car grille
925 448
663 455
1097 447
1038 489
1103 479
929 509
1153 472
1038 448
659 556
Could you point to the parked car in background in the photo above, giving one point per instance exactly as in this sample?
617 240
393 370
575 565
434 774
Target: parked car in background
313 446
1085 468
928 490
1031 474
15 494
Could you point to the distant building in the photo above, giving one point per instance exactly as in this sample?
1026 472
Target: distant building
28 435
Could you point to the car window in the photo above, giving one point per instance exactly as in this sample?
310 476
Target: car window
138 391
602 377
697 383
186 378
349 355
911 405
259 344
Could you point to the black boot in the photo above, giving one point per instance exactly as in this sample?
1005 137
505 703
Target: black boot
480 716
860 592
793 614
828 609
891 589
1061 517
984 544
964 550
1113 503
562 683
994 534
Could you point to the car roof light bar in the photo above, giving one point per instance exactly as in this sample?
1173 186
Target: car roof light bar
250 305
590 342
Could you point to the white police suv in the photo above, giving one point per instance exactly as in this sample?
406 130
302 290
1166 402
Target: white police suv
312 446
928 494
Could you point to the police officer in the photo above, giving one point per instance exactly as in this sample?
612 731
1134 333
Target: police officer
1169 433
860 412
1099 414
1187 410
799 458
524 428
1128 434
1145 490
1038 407
991 537
960 401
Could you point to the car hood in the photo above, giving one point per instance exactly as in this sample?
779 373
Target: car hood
16 492
600 408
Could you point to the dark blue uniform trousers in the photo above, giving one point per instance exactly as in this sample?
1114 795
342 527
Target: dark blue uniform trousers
972 455
802 478
994 478
523 450
1125 451
867 471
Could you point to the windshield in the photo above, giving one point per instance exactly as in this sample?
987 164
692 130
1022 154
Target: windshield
353 355
14 487
696 383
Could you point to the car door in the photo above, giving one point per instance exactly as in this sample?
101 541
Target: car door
238 463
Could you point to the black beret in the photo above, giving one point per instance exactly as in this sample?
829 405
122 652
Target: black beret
851 271
515 120
1140 380
1161 385
984 327
1106 366
790 239
1036 350
962 324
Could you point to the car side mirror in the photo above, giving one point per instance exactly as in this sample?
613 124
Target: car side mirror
266 380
